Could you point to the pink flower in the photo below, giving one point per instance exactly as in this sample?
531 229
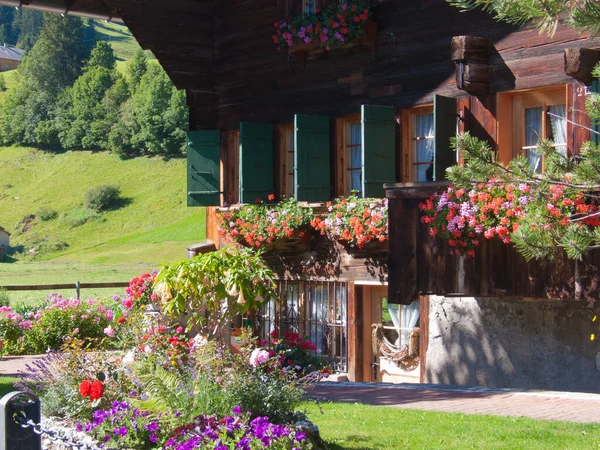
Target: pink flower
258 357
128 303
179 330
109 331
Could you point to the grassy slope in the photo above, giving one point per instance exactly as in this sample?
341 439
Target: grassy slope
356 426
154 226
119 38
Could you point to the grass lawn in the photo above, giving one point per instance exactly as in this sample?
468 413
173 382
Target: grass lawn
356 426
6 385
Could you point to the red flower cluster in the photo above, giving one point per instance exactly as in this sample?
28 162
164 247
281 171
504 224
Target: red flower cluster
168 347
337 24
261 224
93 390
139 292
355 220
497 209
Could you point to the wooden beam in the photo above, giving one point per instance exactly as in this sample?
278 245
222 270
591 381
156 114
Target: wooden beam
470 48
579 63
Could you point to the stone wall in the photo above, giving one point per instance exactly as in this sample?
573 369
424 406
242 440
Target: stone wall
510 343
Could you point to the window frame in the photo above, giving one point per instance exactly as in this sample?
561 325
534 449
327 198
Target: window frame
409 147
287 177
511 118
305 5
343 155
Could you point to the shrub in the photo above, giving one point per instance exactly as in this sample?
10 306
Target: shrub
79 216
4 298
46 214
45 244
101 198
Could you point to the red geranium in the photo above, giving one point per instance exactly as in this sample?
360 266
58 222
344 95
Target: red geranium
85 388
96 390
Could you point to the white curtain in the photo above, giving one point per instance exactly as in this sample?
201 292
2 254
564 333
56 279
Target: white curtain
407 319
410 317
356 157
424 147
533 133
559 127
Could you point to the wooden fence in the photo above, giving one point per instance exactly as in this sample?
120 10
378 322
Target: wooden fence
77 286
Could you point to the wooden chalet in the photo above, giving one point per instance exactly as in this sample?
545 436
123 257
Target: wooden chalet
380 111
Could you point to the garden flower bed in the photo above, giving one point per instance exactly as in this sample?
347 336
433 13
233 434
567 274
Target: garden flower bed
149 384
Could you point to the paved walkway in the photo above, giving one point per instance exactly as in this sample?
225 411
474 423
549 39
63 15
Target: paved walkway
544 405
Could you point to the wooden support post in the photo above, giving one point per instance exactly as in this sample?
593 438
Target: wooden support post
354 329
403 211
579 63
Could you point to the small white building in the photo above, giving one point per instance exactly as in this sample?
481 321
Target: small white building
4 238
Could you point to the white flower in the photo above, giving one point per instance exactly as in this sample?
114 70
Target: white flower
129 358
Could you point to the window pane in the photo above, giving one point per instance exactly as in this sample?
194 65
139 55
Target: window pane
557 131
355 148
424 147
309 7
533 126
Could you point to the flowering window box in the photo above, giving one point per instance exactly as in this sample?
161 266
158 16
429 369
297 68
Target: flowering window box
368 40
340 25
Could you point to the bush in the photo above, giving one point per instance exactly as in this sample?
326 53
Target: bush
80 216
46 214
101 198
37 245
4 298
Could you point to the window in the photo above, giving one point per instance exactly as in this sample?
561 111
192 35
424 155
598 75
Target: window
399 320
309 6
349 136
423 147
526 118
316 310
418 144
286 156
426 135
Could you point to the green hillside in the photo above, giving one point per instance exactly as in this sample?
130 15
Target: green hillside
119 37
153 226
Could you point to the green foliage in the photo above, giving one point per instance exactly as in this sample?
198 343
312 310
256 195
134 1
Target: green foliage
2 83
546 14
26 27
136 69
4 298
38 244
46 214
101 198
153 120
102 55
226 283
79 216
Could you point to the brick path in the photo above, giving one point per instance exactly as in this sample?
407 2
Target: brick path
544 405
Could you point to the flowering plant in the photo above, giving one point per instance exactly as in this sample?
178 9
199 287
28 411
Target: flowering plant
123 426
337 24
262 223
139 292
355 220
236 432
497 209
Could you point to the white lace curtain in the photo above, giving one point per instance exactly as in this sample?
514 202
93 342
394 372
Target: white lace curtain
424 147
533 133
406 320
558 121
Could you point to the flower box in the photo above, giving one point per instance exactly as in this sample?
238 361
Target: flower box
368 39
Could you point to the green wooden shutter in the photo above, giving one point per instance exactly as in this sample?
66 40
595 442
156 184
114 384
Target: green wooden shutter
596 123
444 123
378 149
203 168
312 171
256 161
